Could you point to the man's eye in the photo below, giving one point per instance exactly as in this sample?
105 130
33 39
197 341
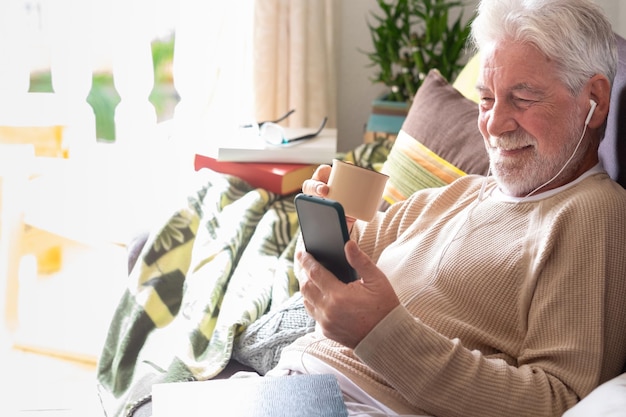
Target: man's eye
523 101
486 103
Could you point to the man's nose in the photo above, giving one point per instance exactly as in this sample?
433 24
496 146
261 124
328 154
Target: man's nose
501 119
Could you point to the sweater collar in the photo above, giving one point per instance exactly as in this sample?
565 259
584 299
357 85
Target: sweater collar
497 195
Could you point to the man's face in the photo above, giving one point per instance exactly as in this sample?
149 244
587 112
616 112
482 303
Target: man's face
529 120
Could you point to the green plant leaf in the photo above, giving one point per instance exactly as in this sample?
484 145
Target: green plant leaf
411 37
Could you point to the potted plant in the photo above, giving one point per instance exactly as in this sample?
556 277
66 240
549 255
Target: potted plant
409 38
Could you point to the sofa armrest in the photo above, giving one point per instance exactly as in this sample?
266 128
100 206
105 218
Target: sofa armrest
608 400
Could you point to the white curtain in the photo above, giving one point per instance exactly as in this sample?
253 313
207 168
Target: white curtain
213 63
294 61
254 60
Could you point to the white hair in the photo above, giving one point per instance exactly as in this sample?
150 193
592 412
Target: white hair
575 34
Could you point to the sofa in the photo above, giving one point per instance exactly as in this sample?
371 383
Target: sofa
212 290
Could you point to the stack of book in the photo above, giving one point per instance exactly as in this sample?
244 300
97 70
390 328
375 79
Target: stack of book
279 169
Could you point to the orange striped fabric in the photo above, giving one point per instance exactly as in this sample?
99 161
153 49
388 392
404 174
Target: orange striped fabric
411 166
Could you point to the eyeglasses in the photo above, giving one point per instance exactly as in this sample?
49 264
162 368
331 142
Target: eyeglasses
274 134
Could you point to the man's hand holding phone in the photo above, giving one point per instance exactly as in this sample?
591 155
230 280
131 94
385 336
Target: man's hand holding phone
346 313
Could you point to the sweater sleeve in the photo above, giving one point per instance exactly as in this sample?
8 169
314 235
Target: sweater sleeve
440 376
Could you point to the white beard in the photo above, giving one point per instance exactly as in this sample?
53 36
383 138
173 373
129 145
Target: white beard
520 176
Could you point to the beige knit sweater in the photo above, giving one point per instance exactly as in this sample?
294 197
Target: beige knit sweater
508 308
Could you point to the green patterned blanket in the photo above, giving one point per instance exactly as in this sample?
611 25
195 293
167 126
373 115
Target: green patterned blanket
214 282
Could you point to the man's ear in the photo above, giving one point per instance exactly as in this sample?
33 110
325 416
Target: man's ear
600 92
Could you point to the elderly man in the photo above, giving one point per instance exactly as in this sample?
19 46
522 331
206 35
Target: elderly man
500 295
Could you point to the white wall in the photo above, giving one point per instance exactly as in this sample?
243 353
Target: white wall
616 11
356 92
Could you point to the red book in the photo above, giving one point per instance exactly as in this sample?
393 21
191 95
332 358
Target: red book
275 177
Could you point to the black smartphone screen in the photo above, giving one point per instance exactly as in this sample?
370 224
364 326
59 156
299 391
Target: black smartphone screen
324 232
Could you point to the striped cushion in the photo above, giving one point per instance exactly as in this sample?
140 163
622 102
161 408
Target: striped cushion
412 166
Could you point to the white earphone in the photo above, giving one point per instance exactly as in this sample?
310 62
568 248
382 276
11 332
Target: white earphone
593 108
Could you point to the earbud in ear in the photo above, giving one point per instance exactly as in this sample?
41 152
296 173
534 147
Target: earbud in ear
591 110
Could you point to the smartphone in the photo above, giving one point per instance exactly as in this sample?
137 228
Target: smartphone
325 232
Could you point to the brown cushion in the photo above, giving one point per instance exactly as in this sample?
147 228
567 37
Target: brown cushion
439 141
